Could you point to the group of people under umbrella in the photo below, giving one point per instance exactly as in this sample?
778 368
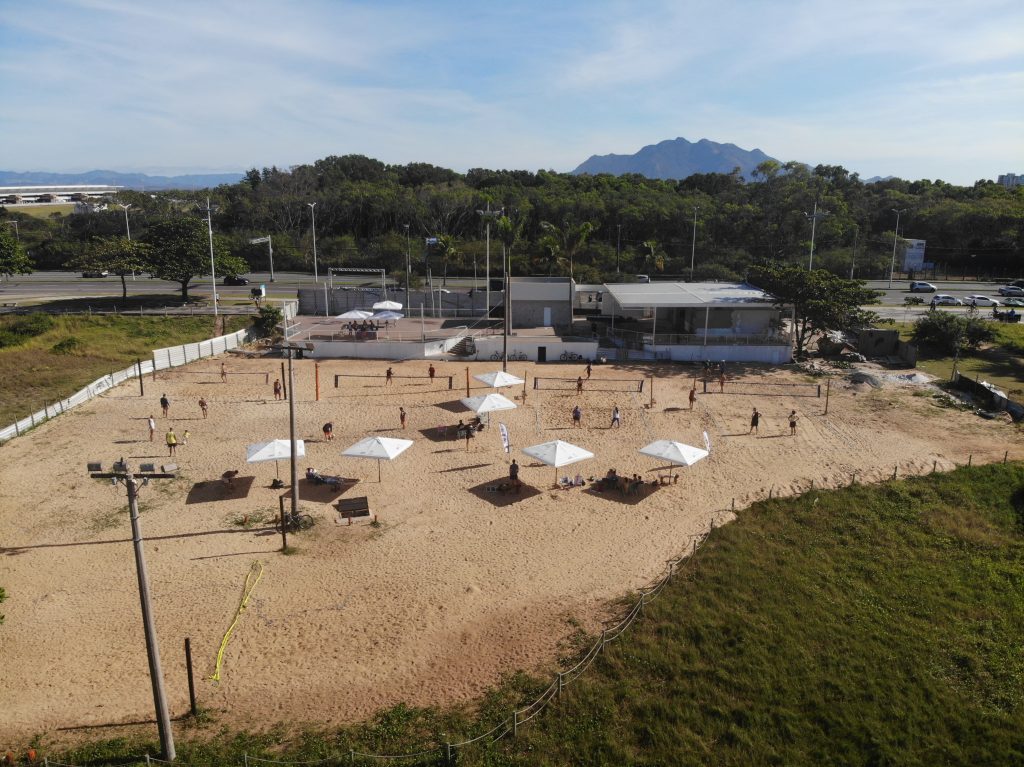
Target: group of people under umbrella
556 453
383 311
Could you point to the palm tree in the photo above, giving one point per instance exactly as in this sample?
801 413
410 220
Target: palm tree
569 238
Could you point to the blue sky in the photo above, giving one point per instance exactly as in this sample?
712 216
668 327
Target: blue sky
915 89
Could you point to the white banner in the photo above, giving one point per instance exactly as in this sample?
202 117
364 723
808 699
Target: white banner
504 437
707 442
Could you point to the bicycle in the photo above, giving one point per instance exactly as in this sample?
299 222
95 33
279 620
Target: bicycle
296 522
496 356
570 357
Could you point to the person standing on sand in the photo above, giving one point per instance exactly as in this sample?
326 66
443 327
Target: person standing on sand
388 376
203 406
401 416
223 373
616 417
277 389
152 427
329 431
721 382
184 437
165 404
588 371
513 471
431 372
755 419
693 396
793 418
577 417
579 385
172 441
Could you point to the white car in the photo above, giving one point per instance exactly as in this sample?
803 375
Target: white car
922 287
978 300
941 299
1011 290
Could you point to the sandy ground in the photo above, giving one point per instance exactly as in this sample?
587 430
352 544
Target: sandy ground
458 586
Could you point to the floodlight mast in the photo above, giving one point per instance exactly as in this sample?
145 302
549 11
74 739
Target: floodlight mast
122 473
488 215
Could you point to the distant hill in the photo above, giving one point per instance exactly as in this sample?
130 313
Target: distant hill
139 181
677 159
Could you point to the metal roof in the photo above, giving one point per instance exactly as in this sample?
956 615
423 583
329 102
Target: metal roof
642 295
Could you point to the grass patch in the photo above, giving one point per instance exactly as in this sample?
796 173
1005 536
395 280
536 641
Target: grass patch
875 625
34 369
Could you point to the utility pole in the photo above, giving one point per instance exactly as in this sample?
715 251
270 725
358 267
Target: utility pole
312 211
488 215
813 217
408 266
213 268
618 246
291 424
122 473
693 244
895 238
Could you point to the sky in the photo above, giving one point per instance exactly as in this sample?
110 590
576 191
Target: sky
919 90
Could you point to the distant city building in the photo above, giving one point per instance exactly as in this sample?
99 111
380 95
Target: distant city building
21 195
1011 180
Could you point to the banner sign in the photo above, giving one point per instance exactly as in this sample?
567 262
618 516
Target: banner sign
504 437
707 442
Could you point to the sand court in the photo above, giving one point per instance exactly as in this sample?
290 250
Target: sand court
460 583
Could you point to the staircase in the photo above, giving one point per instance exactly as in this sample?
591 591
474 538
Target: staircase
464 348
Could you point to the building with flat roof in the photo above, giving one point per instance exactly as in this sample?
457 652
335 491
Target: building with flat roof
17 195
697 321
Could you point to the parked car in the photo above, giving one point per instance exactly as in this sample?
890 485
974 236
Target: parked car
235 280
96 274
1011 290
941 299
1014 302
979 300
922 287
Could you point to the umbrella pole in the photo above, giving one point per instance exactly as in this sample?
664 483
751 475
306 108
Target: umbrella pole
378 470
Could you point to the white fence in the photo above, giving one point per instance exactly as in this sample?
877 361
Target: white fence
162 359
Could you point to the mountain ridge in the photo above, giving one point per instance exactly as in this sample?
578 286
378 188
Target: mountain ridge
677 159
138 181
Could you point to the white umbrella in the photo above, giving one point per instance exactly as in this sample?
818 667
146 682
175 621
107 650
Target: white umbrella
557 453
389 305
488 403
499 379
378 448
387 315
355 314
675 453
274 451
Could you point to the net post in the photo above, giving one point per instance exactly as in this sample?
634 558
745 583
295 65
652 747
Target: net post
819 391
316 367
1006 455
970 459
535 383
336 377
705 386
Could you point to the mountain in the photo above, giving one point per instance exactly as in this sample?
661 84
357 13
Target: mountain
677 159
139 181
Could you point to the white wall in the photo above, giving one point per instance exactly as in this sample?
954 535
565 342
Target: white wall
485 347
775 355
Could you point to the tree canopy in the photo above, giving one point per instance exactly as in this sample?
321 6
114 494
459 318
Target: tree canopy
180 251
13 259
118 255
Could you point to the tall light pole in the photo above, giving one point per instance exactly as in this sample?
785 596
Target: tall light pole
121 473
693 243
270 246
813 218
488 215
213 268
127 229
312 210
408 268
895 237
618 245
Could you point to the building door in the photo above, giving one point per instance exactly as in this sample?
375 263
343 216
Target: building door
542 354
547 316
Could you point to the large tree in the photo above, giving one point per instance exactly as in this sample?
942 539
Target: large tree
821 301
180 251
115 254
566 241
13 259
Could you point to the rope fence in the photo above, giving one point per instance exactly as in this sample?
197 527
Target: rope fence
447 752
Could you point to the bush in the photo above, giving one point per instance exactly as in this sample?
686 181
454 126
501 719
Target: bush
950 332
68 346
18 330
267 320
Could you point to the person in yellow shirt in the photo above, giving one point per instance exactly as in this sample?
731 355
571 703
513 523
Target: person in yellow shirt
172 441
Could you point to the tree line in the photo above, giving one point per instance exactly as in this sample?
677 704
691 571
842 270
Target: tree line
595 228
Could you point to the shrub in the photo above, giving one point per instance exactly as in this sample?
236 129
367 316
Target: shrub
950 332
18 330
267 320
69 345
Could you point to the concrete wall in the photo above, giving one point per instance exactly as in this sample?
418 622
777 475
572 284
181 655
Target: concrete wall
530 314
486 347
381 351
772 355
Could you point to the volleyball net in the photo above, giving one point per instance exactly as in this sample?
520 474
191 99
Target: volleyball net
590 384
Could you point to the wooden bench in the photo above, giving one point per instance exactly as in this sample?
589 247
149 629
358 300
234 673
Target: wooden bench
355 508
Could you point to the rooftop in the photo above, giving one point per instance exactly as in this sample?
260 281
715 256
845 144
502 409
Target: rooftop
641 295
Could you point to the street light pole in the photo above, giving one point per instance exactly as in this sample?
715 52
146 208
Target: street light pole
895 237
488 215
312 210
127 229
814 221
408 268
618 245
213 268
693 243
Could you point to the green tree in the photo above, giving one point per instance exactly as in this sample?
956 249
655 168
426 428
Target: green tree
180 251
449 250
567 241
13 259
821 301
115 254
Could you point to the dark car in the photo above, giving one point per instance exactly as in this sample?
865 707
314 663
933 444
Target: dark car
235 280
95 274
